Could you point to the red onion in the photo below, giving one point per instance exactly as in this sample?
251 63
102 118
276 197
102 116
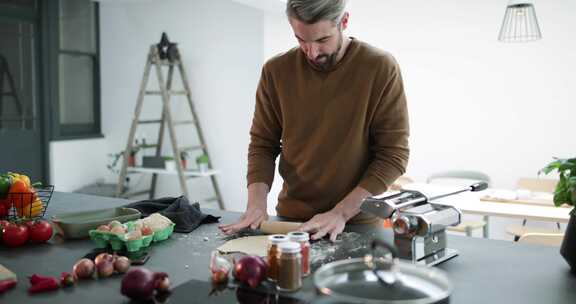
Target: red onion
83 269
250 270
138 284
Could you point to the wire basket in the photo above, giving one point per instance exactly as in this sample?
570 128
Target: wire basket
31 205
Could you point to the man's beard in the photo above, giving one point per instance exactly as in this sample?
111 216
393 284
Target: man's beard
328 60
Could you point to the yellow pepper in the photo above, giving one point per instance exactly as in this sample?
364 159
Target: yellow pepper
22 177
31 210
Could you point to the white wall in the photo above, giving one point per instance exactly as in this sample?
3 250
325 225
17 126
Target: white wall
76 163
221 44
474 102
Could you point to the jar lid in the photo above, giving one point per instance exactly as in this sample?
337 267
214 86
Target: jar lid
277 238
298 236
289 247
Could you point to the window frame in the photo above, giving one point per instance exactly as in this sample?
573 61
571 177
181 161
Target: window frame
60 131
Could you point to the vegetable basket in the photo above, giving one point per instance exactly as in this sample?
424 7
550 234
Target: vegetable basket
17 206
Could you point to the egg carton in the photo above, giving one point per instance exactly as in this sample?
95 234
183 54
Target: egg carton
118 241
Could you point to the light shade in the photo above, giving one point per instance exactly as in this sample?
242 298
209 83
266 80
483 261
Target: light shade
520 24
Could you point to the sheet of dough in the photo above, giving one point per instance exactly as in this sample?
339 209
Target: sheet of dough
253 245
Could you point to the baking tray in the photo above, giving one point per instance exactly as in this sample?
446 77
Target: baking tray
75 225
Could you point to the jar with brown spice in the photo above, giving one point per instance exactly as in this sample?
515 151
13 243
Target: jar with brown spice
304 240
290 267
272 251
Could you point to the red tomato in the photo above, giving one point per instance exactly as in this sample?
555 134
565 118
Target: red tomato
3 223
14 235
40 231
3 210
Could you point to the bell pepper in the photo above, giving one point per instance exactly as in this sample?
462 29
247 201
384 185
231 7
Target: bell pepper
7 285
21 195
31 211
37 278
22 177
47 284
5 183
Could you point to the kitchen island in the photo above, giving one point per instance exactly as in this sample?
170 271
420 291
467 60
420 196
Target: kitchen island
486 271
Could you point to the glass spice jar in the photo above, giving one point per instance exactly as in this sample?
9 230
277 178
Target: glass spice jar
272 253
290 268
304 240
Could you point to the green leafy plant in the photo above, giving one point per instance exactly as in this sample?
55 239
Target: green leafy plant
202 159
565 192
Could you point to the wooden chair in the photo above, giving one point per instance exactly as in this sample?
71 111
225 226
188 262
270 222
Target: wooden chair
464 177
534 185
547 239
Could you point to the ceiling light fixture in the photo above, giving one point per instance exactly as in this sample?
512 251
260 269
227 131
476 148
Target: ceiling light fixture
520 23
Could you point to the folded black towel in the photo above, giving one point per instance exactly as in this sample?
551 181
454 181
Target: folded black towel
186 216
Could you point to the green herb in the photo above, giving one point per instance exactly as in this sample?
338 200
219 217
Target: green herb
565 192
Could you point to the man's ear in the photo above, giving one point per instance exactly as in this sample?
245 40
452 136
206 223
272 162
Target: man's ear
344 20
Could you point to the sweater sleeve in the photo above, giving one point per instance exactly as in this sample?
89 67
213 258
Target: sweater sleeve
389 131
265 133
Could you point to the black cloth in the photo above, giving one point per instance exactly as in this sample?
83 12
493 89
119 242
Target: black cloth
186 216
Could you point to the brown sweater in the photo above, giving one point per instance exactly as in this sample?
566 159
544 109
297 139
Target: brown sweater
334 130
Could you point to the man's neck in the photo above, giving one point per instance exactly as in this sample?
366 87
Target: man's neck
345 44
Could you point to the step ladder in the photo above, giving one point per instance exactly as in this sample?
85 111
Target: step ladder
166 54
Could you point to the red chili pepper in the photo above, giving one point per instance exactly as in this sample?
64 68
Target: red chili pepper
66 279
6 285
36 278
45 285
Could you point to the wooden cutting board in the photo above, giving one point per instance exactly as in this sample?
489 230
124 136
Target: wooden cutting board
6 274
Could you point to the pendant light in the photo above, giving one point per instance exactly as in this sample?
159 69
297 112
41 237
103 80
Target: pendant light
520 23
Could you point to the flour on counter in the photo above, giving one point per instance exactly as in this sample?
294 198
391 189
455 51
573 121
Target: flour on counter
347 245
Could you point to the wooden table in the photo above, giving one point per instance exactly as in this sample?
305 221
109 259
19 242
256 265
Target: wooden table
479 204
470 203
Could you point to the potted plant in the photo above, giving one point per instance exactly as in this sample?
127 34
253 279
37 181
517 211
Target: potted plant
203 162
169 163
184 159
565 193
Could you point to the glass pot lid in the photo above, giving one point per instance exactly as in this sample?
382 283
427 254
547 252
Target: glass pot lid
382 280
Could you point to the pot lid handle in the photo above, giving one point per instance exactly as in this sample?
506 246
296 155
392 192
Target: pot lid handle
389 275
380 243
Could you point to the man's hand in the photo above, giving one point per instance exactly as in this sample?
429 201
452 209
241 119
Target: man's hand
255 211
331 222
252 218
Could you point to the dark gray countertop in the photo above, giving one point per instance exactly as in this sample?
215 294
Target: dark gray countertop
487 271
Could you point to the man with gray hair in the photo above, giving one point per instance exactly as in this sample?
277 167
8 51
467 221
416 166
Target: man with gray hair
335 111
